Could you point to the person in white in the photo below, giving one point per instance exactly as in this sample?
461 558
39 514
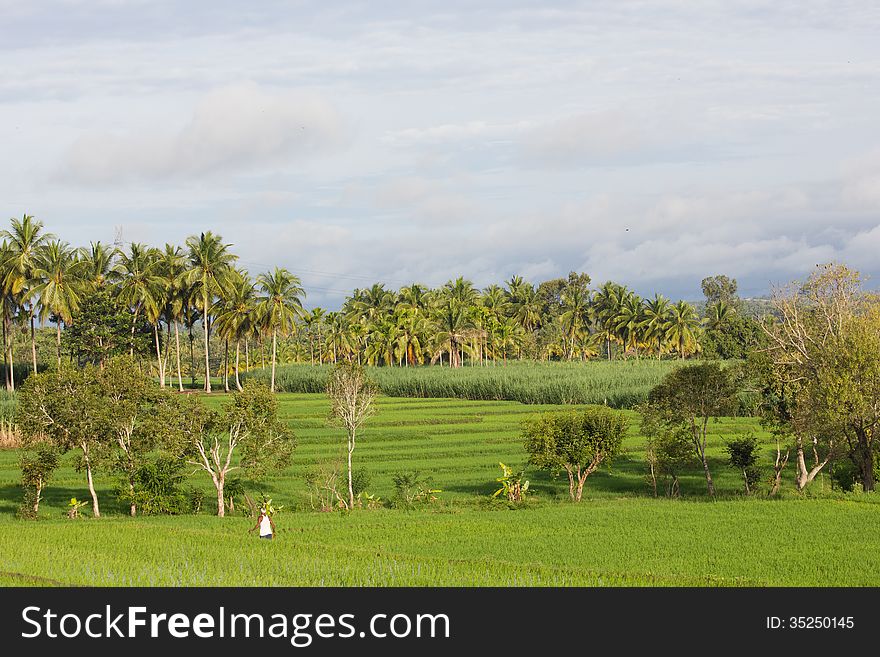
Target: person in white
265 524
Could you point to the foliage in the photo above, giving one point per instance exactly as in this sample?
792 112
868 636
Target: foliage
102 330
413 489
73 508
743 455
618 384
668 453
576 442
512 485
157 488
37 467
689 397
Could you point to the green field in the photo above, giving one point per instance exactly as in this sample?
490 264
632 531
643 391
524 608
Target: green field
619 384
619 535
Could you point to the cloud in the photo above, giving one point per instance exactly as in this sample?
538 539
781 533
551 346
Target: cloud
235 128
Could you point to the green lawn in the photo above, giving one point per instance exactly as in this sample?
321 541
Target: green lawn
619 535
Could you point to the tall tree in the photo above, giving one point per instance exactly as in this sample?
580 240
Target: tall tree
59 282
25 238
281 306
209 274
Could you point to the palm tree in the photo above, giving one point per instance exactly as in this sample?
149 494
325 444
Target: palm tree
606 305
575 308
657 320
97 261
209 274
630 321
140 288
682 328
718 314
412 326
25 238
281 306
452 323
172 270
59 276
9 308
525 304
238 316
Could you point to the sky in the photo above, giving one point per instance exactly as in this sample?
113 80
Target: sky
650 143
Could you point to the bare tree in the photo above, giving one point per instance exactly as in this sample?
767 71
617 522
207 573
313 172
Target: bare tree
351 402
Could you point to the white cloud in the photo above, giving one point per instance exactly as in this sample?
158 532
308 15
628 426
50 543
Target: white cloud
241 127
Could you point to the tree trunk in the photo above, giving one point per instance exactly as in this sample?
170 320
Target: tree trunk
207 345
221 502
274 345
33 342
159 356
804 475
350 479
96 511
709 484
58 341
177 352
133 509
237 360
865 460
226 365
192 358
6 369
247 355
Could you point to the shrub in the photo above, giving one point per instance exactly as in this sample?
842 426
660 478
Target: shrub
413 489
513 488
157 488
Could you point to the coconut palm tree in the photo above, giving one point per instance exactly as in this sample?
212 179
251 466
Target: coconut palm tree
718 314
452 322
525 304
630 321
281 306
238 315
24 240
606 305
59 276
657 320
140 287
575 315
682 328
172 270
97 261
9 308
209 273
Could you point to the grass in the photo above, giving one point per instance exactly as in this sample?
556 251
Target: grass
619 535
619 384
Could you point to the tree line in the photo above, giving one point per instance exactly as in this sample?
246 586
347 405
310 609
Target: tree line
137 299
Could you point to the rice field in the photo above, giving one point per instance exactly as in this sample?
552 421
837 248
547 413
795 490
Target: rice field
618 536
619 384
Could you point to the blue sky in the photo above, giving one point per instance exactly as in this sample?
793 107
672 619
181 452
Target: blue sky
653 143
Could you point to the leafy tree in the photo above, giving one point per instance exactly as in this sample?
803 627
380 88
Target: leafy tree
743 455
247 426
65 408
720 288
806 342
102 331
688 397
576 442
668 452
37 468
129 418
351 403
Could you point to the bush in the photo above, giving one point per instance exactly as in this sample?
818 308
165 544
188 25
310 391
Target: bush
158 489
412 489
